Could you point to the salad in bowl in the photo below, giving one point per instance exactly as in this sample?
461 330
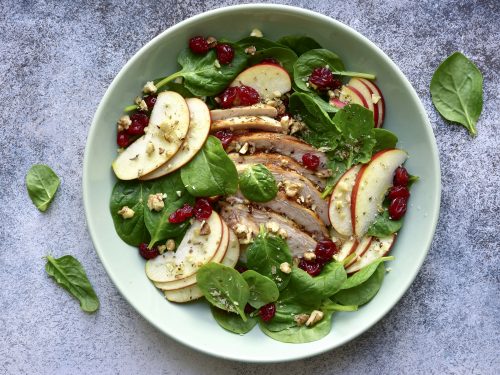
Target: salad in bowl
260 179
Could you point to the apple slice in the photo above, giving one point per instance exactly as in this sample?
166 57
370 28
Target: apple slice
367 93
194 251
233 250
262 123
360 249
199 128
372 183
377 249
266 79
191 280
187 294
377 99
168 125
339 207
253 110
346 249
349 95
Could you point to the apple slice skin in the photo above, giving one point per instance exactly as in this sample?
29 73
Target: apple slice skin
199 128
367 92
372 183
191 280
189 256
381 103
167 128
266 79
378 248
363 245
346 249
339 207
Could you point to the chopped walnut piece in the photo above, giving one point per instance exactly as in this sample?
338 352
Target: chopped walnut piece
250 50
291 188
315 317
243 233
309 255
149 88
126 212
150 147
301 319
204 229
123 123
272 226
282 233
155 202
257 33
285 267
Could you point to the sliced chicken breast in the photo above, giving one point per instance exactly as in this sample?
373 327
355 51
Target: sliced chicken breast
253 110
243 123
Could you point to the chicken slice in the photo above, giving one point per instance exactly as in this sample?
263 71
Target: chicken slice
253 110
242 123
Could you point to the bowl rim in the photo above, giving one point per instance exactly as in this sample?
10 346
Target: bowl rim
433 217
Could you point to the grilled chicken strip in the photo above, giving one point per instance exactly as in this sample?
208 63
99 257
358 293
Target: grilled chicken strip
246 225
318 178
253 110
277 143
242 123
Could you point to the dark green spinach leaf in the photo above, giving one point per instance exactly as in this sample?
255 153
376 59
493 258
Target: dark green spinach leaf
384 140
300 44
42 184
223 287
211 172
263 290
69 274
257 184
232 322
364 273
383 226
457 91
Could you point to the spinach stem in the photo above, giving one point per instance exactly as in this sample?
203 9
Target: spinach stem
356 74
166 80
130 108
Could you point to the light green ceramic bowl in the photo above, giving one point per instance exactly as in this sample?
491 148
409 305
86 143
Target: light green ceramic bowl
192 324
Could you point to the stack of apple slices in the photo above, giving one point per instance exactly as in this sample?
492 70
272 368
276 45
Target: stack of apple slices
355 203
175 272
363 92
177 130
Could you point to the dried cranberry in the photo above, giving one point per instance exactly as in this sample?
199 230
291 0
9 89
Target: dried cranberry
238 95
398 192
267 312
323 79
122 139
150 101
397 208
135 128
310 266
198 45
202 209
228 97
148 253
325 250
249 309
181 215
270 60
401 177
141 118
310 161
241 268
225 53
225 136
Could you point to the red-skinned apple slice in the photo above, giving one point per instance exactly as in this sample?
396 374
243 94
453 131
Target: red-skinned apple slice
349 95
363 245
191 280
193 251
380 103
339 207
199 128
378 248
346 249
372 183
167 129
368 95
266 79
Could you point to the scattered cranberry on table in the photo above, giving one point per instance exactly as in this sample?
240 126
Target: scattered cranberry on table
225 136
198 45
148 253
310 161
202 209
267 312
323 79
401 177
225 53
397 208
182 214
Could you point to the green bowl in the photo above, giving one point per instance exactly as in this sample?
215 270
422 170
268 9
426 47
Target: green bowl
192 324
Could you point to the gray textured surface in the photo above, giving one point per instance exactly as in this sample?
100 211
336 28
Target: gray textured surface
56 60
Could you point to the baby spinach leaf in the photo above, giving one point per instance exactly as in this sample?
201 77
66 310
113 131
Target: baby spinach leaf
412 180
257 184
363 293
265 255
286 57
329 305
201 76
211 172
383 226
300 44
364 273
384 139
69 273
42 184
258 43
223 287
315 58
233 322
176 196
457 91
263 290
131 194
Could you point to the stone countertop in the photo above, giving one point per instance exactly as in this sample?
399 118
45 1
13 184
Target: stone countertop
57 58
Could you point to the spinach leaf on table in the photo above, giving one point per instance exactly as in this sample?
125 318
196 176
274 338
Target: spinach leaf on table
457 91
233 322
307 62
265 255
133 231
286 57
157 222
42 184
223 287
363 293
69 274
300 44
263 290
383 226
258 184
211 172
384 140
